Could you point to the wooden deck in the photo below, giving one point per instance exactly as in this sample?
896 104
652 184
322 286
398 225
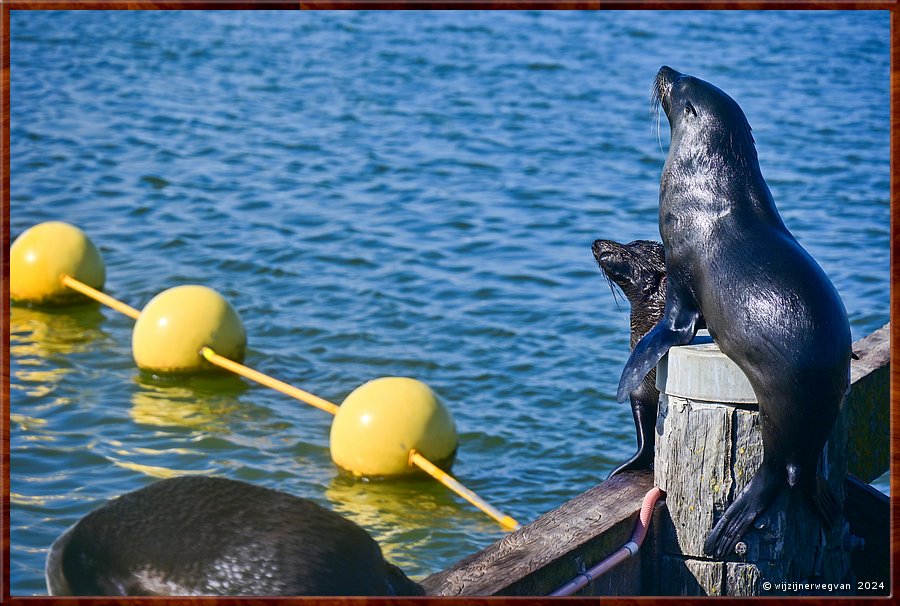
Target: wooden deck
543 555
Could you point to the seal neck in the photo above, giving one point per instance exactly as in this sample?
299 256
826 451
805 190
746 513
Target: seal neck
717 174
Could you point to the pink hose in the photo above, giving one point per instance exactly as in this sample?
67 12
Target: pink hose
623 553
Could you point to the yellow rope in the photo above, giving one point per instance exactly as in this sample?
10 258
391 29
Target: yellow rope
450 482
212 357
254 375
98 296
415 458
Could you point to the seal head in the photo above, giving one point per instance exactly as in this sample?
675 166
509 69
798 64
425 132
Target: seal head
639 270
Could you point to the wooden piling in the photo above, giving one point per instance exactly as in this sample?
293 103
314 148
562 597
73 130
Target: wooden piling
708 447
711 450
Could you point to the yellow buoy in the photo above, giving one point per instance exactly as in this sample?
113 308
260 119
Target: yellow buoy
380 422
177 323
44 253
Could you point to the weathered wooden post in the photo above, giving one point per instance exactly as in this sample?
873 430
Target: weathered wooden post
708 447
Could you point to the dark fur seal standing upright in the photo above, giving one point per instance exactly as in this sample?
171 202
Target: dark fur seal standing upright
194 535
766 302
639 269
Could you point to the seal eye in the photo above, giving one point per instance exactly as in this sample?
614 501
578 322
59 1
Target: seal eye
689 109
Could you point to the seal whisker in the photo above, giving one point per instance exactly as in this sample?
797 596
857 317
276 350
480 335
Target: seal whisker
658 138
655 104
612 287
656 93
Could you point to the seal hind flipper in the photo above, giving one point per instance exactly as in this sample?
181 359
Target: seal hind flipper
650 350
752 501
642 460
826 502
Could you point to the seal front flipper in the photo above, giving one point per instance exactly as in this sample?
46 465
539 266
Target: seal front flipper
644 410
649 350
752 501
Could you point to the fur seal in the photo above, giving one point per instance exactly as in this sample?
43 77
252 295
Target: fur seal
639 270
768 305
196 535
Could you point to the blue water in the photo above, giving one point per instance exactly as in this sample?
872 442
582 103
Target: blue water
382 194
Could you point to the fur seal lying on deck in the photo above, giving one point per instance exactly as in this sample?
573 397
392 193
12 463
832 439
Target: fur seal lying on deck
195 535
768 305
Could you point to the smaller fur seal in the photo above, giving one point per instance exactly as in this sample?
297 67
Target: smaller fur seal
639 269
207 536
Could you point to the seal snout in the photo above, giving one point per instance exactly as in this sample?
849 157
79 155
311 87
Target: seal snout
662 86
605 251
599 247
668 74
614 261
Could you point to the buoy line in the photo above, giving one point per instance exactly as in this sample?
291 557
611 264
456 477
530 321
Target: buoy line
381 429
414 457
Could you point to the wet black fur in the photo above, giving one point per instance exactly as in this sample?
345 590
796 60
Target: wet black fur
639 270
196 535
766 302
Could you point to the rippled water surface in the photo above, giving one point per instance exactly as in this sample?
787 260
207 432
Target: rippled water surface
392 194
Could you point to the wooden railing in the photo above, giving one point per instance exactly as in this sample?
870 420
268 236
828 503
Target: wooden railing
554 548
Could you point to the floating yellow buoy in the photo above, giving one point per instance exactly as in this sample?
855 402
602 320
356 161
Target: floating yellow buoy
44 253
380 422
178 322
